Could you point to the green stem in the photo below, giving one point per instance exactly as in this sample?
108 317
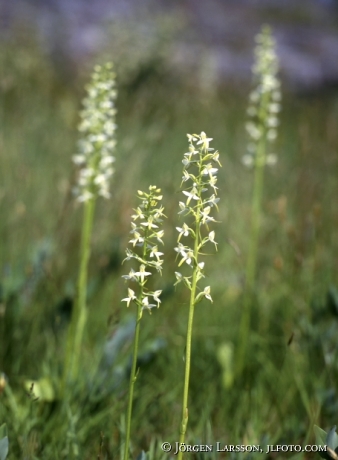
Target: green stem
251 267
256 217
132 380
79 315
133 375
185 414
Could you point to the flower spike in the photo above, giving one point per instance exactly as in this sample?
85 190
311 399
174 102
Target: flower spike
199 176
97 128
145 229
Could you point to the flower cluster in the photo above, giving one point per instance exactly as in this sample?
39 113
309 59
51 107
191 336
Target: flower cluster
97 143
199 176
264 104
147 235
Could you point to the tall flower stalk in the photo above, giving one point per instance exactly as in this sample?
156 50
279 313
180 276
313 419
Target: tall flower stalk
199 177
94 160
147 235
262 126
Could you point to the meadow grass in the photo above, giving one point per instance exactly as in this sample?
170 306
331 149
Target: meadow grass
291 364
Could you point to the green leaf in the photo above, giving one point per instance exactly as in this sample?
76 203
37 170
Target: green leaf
332 301
332 438
187 283
142 456
320 436
225 355
329 439
198 298
3 447
3 430
41 389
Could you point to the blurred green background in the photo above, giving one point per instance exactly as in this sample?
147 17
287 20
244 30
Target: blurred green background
290 381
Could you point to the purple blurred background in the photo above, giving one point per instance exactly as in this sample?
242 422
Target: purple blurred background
210 40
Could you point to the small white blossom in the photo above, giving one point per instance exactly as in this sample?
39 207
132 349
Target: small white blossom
183 207
209 170
204 140
157 264
107 161
146 305
253 130
206 293
150 223
138 239
272 122
79 159
159 213
179 277
212 182
191 195
271 134
254 96
192 138
274 107
142 273
130 276
248 160
251 111
184 231
186 254
85 196
215 157
192 151
131 296
186 176
271 159
213 200
139 214
159 235
212 238
156 295
155 253
204 213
